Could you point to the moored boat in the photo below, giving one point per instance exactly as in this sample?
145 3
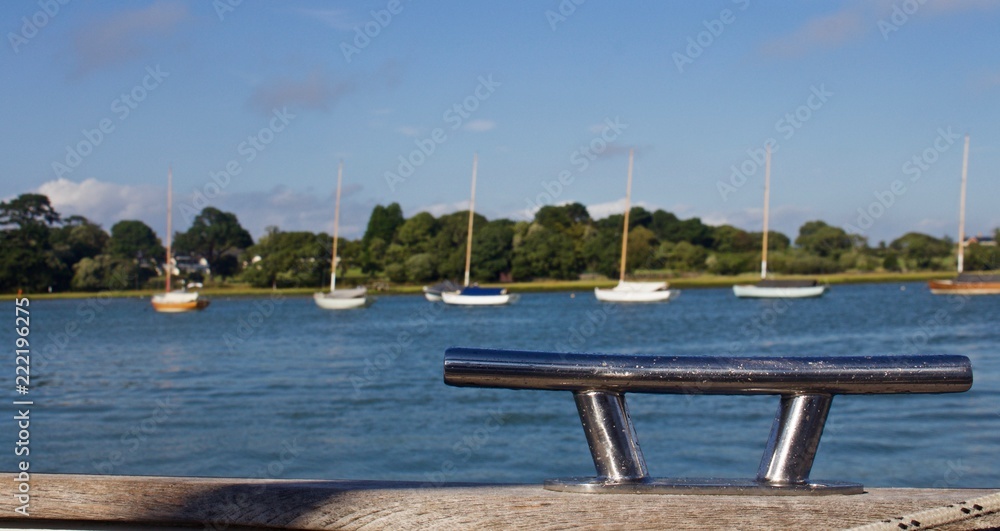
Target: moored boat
772 288
780 289
474 295
178 301
174 301
629 291
340 299
965 283
477 296
433 293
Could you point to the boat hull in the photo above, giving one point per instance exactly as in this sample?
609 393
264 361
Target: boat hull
768 292
613 295
178 302
326 302
951 287
458 299
180 307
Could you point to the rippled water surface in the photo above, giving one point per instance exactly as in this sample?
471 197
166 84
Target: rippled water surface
261 387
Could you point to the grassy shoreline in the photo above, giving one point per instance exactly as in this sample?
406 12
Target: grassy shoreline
694 282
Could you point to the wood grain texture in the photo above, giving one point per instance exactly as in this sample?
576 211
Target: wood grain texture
303 504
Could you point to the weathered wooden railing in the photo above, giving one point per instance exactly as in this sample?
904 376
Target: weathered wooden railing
806 386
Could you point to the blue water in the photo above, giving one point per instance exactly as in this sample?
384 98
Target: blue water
274 387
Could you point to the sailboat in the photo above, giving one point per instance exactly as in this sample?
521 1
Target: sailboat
965 283
775 289
340 299
627 291
175 301
474 295
433 293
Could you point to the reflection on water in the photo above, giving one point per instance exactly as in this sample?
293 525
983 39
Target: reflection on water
273 387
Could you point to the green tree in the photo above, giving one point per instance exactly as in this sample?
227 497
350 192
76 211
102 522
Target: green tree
286 259
776 241
668 228
213 234
920 249
601 251
729 239
820 239
27 260
449 243
382 226
130 238
421 268
77 239
982 257
417 233
683 256
492 249
103 272
642 245
545 253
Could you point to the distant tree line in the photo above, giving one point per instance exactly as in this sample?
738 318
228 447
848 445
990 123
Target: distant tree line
39 249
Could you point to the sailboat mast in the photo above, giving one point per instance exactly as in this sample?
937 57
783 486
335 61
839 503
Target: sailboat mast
767 204
961 208
170 227
472 209
336 228
628 207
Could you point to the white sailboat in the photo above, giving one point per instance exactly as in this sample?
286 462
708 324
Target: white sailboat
965 283
340 299
474 295
175 301
775 289
630 291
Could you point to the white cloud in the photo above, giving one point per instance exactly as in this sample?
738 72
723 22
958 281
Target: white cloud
440 209
480 126
603 210
106 203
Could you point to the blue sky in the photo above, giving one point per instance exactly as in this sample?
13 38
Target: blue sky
253 105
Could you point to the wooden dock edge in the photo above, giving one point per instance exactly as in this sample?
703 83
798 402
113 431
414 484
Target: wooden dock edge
219 503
